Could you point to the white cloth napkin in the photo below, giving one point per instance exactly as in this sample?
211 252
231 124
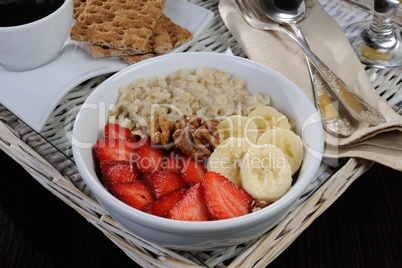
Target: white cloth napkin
381 143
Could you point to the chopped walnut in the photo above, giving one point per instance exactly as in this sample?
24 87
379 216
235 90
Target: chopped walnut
139 133
160 131
196 136
257 204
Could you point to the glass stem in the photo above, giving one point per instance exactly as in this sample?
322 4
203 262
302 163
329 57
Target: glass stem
380 34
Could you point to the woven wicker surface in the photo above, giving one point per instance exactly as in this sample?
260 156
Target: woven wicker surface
48 158
367 5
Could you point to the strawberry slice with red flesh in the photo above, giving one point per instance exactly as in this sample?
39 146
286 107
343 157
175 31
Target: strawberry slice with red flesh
224 199
135 193
193 171
163 205
174 162
115 131
192 207
118 171
125 150
150 158
161 183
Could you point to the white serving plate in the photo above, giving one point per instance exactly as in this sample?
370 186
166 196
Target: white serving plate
33 95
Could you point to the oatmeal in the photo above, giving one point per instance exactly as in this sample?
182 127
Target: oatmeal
206 92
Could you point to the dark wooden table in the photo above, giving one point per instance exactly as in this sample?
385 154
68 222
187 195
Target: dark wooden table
361 229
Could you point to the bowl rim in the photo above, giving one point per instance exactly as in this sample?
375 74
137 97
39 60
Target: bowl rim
186 227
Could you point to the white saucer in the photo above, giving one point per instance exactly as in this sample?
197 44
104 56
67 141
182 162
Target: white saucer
33 95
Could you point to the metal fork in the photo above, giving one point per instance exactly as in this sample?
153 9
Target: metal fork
354 104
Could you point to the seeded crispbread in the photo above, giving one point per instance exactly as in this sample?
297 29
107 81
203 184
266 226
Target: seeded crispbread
160 40
137 58
158 43
101 51
166 36
122 24
78 7
178 35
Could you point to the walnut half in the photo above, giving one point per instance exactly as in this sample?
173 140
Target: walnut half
196 136
160 131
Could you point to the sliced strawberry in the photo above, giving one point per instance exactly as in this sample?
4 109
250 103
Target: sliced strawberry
125 150
161 183
118 171
163 205
192 207
193 171
174 162
135 194
224 199
150 157
115 131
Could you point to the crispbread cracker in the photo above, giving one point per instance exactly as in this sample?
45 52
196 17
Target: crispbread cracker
158 43
122 24
137 58
166 35
177 34
131 29
78 7
100 51
160 40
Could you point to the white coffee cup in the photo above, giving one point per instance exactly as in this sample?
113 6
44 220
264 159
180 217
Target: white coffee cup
32 45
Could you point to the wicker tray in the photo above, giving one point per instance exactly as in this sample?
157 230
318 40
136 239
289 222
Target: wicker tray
47 156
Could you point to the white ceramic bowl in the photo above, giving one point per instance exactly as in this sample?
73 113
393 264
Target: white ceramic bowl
286 97
32 45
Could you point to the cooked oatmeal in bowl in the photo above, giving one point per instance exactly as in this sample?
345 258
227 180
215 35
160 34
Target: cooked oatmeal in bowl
227 106
205 92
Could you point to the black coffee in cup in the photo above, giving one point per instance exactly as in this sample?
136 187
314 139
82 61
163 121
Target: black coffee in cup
19 12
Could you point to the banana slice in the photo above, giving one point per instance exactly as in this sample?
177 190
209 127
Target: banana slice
290 144
267 117
265 172
239 127
226 158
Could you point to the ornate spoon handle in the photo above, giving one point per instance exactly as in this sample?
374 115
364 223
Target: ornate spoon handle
333 118
354 104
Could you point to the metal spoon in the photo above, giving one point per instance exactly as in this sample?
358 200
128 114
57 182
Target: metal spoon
290 12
